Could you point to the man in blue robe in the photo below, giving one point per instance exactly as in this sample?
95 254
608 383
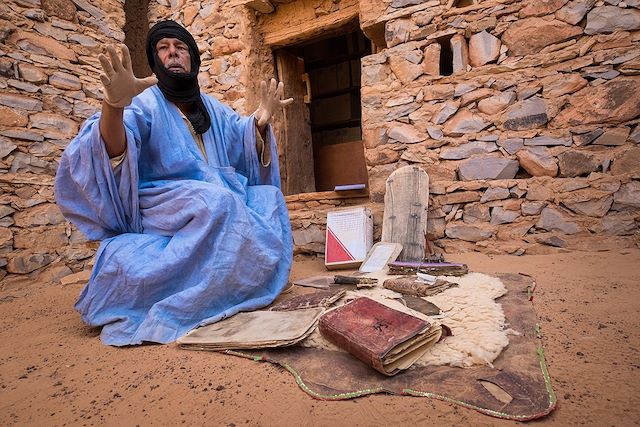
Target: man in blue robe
184 194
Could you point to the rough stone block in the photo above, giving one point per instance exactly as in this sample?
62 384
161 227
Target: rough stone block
21 102
608 19
587 138
511 145
576 163
24 263
552 219
460 53
541 8
483 48
528 114
627 197
574 11
530 35
500 215
406 134
465 151
487 167
475 212
616 224
615 101
431 61
532 208
495 104
616 136
468 233
464 122
627 162
537 161
447 110
543 141
496 193
562 84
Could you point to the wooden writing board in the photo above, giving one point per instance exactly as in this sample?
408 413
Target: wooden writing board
406 202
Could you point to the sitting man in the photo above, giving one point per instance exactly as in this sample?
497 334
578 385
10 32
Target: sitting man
184 195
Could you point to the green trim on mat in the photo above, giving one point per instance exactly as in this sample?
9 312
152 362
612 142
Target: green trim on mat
538 331
409 392
497 414
302 385
547 378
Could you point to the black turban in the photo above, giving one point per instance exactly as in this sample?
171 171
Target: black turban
179 87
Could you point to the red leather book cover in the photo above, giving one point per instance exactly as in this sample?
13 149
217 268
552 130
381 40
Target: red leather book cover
370 330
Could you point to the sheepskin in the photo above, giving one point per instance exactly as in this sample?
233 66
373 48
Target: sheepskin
476 320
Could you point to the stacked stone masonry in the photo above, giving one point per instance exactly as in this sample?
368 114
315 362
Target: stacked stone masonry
49 84
530 140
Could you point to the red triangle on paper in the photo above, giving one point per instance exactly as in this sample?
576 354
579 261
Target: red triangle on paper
335 250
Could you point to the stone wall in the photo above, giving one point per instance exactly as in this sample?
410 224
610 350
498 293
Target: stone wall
532 142
48 85
233 61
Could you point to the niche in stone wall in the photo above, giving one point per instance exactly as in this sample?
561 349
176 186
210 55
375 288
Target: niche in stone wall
446 56
461 3
135 30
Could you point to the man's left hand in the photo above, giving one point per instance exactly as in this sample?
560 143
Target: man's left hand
269 100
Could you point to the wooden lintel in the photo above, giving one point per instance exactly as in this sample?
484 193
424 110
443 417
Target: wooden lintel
294 34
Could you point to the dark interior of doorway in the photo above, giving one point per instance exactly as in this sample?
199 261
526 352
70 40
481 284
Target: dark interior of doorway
135 30
332 71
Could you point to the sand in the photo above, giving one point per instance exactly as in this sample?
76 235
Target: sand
55 371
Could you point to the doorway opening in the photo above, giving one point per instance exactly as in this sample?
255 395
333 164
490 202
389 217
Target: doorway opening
135 30
323 131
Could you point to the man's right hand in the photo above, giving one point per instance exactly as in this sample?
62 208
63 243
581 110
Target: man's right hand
120 84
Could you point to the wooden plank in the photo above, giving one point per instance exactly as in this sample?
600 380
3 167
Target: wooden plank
304 30
340 164
406 203
329 195
297 147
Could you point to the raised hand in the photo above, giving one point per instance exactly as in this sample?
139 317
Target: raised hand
270 100
120 84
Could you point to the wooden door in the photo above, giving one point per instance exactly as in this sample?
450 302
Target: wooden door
297 147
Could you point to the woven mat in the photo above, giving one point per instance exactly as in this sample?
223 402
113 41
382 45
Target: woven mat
517 388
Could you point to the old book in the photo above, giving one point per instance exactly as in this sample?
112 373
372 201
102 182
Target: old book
254 329
321 282
435 268
310 300
379 256
417 287
388 340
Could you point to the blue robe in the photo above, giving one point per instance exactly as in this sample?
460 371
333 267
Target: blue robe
185 241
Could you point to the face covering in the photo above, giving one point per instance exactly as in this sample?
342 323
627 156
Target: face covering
179 87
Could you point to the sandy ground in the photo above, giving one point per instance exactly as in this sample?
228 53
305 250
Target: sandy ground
55 371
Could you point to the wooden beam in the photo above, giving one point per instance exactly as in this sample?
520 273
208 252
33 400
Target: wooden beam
293 34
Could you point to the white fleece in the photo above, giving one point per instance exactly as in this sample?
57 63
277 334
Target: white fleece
470 310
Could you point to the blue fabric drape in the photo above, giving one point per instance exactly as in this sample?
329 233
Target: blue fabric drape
185 241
